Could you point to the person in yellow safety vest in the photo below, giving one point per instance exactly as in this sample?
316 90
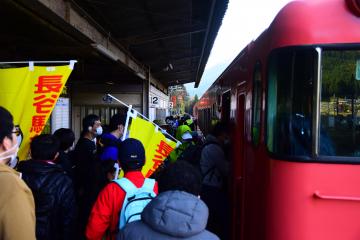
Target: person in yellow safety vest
214 121
187 120
183 134
190 123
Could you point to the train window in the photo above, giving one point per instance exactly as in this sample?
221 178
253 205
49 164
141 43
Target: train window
340 103
225 107
289 101
256 105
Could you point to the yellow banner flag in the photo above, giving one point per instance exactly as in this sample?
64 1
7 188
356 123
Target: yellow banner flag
30 95
157 146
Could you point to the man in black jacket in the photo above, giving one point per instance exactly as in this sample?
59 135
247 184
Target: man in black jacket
53 191
87 175
84 153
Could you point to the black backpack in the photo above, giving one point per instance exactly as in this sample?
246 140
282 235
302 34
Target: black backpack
192 155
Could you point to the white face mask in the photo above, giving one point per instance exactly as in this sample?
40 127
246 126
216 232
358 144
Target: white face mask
13 157
99 131
72 147
14 161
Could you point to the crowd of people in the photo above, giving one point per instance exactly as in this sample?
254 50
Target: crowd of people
68 191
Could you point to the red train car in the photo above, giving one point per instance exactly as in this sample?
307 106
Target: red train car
293 99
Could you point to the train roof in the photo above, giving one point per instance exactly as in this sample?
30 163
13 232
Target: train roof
308 22
305 22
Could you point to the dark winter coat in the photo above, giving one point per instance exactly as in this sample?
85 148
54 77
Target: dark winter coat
171 215
65 160
213 163
88 179
55 206
84 160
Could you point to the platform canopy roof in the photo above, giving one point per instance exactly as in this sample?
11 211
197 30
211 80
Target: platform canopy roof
170 39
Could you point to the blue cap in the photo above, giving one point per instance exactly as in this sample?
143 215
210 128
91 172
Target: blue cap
131 154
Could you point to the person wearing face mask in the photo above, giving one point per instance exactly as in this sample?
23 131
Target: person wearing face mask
86 168
16 199
110 142
53 190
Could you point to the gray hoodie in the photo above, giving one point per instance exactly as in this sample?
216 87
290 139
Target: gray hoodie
171 215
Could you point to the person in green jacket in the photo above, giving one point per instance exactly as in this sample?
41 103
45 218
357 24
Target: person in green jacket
183 134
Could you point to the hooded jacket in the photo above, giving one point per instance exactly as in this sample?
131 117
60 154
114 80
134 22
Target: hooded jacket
17 209
53 192
184 144
213 163
171 215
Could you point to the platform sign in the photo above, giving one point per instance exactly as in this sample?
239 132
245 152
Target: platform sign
154 101
60 116
171 105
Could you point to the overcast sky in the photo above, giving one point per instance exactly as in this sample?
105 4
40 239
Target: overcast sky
244 21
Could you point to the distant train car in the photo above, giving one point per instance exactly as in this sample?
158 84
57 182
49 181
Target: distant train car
293 99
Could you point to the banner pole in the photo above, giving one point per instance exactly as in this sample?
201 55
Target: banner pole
128 106
25 62
40 87
127 120
117 167
118 100
129 113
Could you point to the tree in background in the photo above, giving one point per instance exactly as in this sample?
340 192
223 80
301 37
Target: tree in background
179 96
190 104
182 102
339 83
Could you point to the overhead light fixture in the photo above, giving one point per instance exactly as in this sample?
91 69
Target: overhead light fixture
105 51
140 75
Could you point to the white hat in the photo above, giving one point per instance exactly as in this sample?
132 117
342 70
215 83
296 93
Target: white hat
186 136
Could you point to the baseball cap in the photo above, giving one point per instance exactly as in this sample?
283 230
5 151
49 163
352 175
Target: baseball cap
131 154
186 136
181 131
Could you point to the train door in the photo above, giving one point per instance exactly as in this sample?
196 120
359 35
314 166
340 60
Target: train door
238 168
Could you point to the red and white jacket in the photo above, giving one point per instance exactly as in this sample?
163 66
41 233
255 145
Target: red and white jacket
104 216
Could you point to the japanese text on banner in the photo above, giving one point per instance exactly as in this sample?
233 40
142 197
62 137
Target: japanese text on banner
30 95
157 146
